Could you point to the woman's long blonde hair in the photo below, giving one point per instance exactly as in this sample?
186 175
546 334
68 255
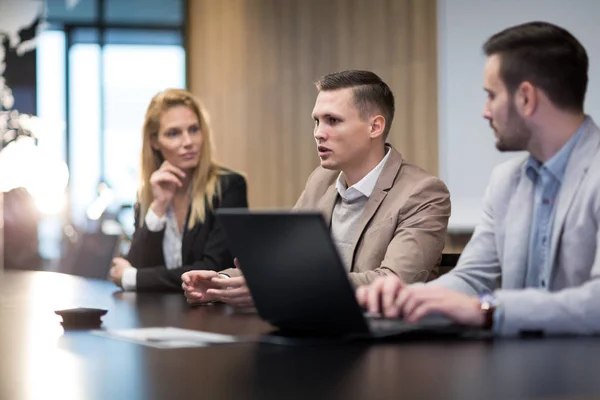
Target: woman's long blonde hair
205 183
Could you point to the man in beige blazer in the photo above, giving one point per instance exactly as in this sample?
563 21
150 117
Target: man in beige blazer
387 216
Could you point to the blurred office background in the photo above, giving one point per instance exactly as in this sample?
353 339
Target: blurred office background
77 75
79 90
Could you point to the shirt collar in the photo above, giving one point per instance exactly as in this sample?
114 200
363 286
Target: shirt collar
365 186
557 165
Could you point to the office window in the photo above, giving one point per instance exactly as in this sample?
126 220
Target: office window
157 12
79 11
99 62
132 75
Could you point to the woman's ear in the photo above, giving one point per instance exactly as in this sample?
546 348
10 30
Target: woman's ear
157 157
154 143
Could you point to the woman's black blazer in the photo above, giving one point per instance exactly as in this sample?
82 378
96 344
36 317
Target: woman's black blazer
204 246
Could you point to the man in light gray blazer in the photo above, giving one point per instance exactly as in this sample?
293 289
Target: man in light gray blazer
533 263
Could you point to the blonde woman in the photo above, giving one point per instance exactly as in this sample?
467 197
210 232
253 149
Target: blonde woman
181 186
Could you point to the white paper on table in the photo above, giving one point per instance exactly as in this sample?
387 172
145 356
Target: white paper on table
168 337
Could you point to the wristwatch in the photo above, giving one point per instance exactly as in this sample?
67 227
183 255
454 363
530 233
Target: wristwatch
488 305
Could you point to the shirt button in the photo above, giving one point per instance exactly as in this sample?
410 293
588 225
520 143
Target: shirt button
544 238
543 283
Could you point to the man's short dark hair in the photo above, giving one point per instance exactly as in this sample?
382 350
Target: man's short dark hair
545 55
370 93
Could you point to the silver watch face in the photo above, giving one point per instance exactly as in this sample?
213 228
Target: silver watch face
488 298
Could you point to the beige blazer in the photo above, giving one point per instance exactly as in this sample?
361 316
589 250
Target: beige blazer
403 226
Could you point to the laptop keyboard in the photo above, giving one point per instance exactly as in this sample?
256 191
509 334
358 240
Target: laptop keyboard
378 323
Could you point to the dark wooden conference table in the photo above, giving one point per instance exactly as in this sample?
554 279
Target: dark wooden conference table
39 360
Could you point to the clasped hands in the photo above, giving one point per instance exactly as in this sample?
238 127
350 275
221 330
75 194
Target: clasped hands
202 287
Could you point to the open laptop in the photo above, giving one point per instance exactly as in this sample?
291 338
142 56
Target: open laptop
297 279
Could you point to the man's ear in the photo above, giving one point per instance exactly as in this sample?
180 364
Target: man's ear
526 99
377 126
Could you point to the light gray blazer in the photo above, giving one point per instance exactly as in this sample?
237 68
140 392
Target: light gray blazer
498 250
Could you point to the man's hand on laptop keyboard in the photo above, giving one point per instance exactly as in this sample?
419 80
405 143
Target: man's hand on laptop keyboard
379 297
393 298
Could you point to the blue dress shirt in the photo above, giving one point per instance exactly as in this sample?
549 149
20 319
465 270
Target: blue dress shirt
547 179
